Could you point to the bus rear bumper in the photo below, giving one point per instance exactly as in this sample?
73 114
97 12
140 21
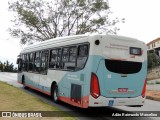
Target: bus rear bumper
103 101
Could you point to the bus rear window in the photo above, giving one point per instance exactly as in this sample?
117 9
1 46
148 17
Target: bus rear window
123 67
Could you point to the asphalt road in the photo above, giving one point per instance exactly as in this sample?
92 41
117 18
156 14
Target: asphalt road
99 113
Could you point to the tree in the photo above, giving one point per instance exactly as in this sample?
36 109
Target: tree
152 60
39 20
1 66
7 67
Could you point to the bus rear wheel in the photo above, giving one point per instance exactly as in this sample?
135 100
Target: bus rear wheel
55 94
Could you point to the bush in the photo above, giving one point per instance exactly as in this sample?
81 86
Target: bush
157 82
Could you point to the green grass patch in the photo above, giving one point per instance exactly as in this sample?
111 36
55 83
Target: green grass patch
157 82
14 99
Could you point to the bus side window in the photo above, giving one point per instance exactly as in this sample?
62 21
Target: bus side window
52 62
44 62
19 62
20 65
82 56
72 54
31 62
58 58
65 57
23 62
37 62
27 62
71 65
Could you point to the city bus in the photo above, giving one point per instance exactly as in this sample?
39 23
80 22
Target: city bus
87 70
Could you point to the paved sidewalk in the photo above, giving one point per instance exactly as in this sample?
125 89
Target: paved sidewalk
151 85
153 81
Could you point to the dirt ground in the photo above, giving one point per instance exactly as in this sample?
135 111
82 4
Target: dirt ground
153 95
153 74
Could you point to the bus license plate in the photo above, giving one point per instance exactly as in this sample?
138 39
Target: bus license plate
123 90
111 102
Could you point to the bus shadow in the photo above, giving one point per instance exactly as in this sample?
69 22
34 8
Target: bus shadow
97 113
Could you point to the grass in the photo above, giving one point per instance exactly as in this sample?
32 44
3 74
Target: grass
14 99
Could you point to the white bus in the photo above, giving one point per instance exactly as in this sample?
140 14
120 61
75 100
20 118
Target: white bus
87 70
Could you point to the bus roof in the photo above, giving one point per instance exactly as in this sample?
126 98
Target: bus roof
68 39
51 42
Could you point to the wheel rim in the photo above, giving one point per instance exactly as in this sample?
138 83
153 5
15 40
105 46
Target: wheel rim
23 83
55 94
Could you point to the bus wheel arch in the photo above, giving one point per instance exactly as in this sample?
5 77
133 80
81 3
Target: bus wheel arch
54 92
23 82
23 79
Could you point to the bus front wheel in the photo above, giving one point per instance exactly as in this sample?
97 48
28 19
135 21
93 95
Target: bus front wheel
23 82
55 94
135 105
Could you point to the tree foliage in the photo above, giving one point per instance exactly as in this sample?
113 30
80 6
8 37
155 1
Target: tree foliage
7 67
153 60
41 20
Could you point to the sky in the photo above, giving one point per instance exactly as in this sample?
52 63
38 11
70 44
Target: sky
142 18
9 47
142 21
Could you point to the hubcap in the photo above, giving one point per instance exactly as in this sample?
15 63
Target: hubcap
56 94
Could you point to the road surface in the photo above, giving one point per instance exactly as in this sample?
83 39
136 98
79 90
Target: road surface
84 114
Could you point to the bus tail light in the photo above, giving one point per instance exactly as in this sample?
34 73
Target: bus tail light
144 89
94 88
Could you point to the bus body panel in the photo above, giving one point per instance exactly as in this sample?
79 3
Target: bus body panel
111 83
103 101
117 85
74 86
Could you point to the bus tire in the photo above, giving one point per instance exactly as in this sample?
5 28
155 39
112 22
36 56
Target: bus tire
135 105
23 82
55 94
